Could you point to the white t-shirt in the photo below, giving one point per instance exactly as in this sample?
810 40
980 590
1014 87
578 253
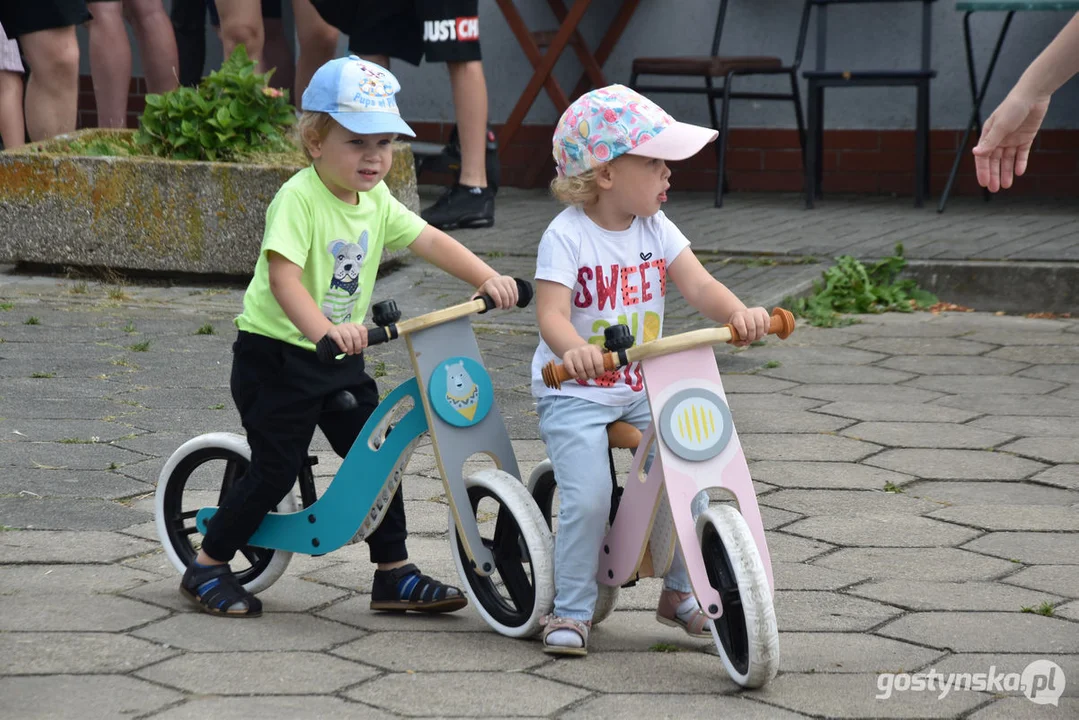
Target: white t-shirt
615 277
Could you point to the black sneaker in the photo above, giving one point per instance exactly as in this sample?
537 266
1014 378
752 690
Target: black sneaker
462 207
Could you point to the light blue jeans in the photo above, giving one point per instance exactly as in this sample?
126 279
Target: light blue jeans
575 431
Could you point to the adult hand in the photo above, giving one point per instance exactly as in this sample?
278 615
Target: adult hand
1004 147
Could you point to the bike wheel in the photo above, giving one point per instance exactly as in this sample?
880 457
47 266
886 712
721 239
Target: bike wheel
197 475
606 602
543 488
514 597
746 635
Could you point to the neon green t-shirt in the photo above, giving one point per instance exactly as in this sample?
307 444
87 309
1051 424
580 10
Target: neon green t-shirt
338 246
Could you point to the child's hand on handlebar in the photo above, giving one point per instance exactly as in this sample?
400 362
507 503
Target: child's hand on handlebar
751 325
351 338
584 362
502 289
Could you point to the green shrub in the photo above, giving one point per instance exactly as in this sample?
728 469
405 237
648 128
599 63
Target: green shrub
851 287
232 113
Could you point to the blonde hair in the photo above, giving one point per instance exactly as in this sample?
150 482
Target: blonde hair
312 127
578 190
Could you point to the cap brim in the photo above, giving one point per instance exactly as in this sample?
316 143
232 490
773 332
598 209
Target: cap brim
676 142
373 123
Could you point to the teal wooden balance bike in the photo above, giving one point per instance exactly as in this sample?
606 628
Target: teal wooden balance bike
505 561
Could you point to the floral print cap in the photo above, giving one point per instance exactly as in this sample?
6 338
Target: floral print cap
615 120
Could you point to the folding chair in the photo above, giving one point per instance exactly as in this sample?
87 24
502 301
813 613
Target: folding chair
820 79
726 67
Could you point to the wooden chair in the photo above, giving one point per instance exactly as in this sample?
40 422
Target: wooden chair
821 78
716 67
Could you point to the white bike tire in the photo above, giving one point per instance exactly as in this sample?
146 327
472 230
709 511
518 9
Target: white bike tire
606 602
229 443
762 634
514 497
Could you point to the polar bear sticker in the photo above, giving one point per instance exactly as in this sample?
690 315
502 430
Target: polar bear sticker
462 393
344 289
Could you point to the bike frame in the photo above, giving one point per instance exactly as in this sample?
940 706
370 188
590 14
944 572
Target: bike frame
682 387
438 343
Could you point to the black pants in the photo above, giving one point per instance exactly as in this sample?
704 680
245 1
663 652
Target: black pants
280 391
189 25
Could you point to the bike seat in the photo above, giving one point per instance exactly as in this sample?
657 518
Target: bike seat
341 401
620 434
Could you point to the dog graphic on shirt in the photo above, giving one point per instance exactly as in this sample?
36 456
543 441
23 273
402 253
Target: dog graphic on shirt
344 290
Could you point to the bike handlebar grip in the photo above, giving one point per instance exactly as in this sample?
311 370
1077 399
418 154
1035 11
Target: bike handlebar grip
554 374
782 325
524 296
524 292
379 335
327 350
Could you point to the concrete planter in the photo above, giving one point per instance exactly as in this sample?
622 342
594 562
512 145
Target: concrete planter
145 214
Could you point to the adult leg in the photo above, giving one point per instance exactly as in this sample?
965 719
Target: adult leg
241 24
318 44
451 35
12 129
470 108
12 126
277 55
110 63
52 92
157 44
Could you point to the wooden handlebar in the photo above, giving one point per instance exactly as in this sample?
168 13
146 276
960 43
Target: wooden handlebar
554 374
480 304
440 316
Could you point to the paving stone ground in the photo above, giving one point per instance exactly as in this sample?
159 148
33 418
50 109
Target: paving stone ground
917 475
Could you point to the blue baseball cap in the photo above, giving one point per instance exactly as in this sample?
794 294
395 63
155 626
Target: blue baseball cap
357 94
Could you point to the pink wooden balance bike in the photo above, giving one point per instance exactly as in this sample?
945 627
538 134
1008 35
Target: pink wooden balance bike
697 448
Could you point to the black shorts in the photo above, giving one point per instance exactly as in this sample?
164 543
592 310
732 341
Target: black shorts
410 30
23 18
271 9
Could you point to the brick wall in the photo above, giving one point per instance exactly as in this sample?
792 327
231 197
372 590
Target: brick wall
768 160
855 161
88 107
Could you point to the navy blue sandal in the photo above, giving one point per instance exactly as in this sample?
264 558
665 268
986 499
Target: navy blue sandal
406 588
214 589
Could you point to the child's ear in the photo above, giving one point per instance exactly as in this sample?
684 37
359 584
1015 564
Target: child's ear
313 142
605 176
